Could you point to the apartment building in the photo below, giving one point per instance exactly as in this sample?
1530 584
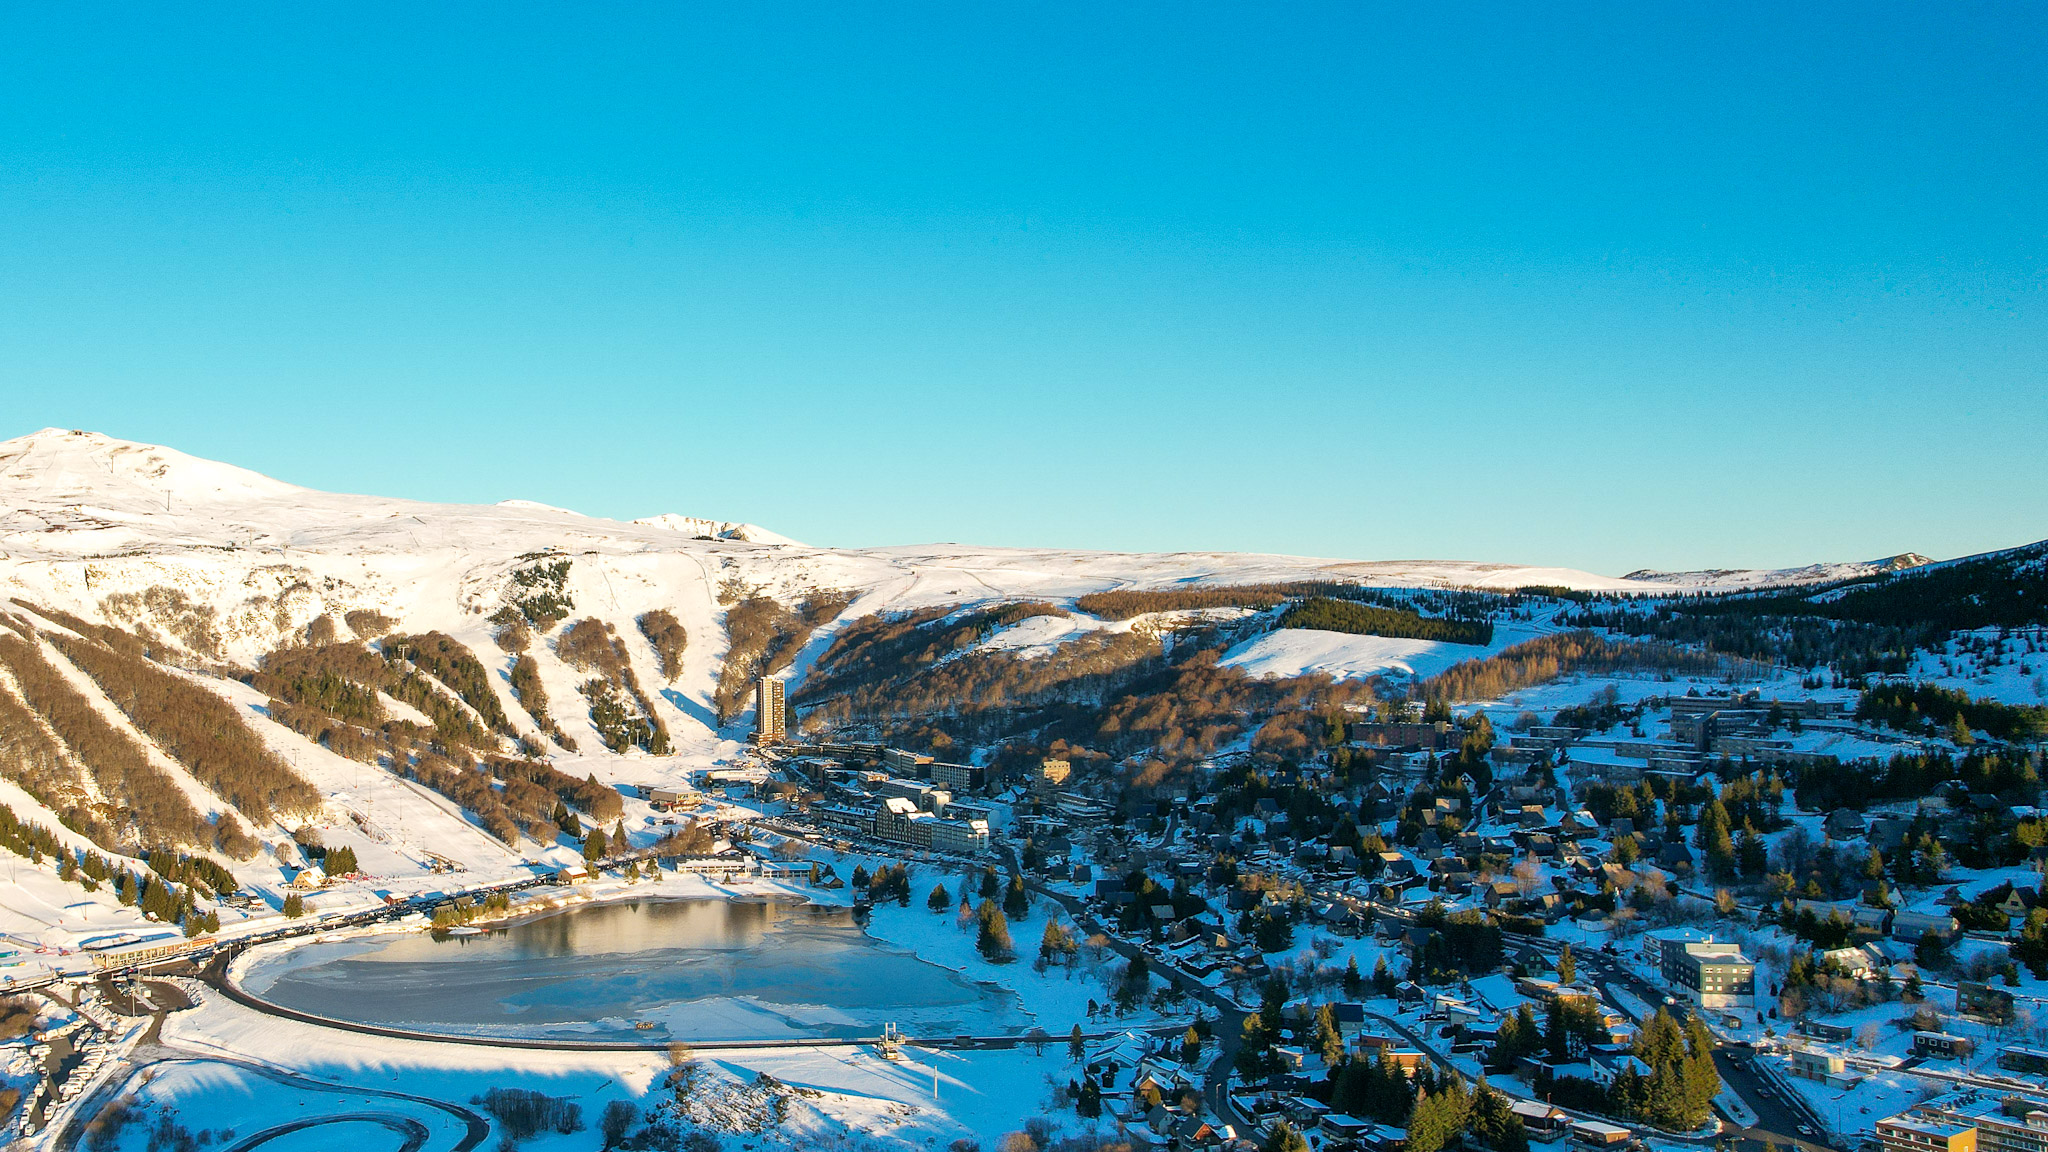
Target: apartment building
770 709
1969 1120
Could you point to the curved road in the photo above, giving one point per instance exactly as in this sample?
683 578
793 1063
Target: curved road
414 1132
477 1129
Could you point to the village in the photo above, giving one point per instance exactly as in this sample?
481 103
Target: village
1523 934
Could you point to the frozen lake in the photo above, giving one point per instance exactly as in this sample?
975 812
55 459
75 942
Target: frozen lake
694 970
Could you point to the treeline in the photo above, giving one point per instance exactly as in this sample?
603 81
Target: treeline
338 683
454 665
1456 944
1930 708
507 796
34 842
1864 626
1120 692
340 680
1124 603
1859 784
197 728
180 868
34 761
523 1113
1082 671
669 639
150 805
157 894
1546 658
1192 707
540 592
763 636
1434 1111
1851 648
879 648
1330 615
590 645
533 696
2009 589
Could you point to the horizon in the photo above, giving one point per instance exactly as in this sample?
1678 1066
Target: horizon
998 546
1614 291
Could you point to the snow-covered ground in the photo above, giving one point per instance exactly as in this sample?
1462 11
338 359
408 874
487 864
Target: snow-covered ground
1343 655
2018 676
844 1095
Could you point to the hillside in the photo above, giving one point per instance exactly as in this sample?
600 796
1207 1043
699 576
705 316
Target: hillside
202 657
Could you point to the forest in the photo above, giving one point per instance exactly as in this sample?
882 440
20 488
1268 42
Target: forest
619 710
1546 658
668 637
1930 709
144 805
198 729
1328 615
1868 625
763 637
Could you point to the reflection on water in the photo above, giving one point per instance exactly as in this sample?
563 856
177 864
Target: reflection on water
688 969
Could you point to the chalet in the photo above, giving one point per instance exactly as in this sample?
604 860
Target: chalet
1843 824
1914 925
1848 961
1859 916
1542 1121
1888 833
1350 1020
1942 1046
1396 866
2018 902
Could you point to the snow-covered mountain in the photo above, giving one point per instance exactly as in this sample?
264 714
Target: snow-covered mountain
524 626
92 524
1738 579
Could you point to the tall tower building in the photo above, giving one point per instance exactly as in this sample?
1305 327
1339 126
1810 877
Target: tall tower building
770 710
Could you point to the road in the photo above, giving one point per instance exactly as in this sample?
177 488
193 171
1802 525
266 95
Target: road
476 1129
1776 1118
1229 1023
1783 1117
414 1133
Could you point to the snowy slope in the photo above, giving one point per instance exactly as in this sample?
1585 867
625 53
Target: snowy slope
144 536
1736 579
1342 655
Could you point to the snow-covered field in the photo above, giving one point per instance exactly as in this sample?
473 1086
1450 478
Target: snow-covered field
1343 655
844 1095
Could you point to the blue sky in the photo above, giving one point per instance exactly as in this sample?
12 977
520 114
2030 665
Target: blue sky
1605 286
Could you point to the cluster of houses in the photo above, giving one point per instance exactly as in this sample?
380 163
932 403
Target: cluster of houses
1155 1100
867 796
1702 730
